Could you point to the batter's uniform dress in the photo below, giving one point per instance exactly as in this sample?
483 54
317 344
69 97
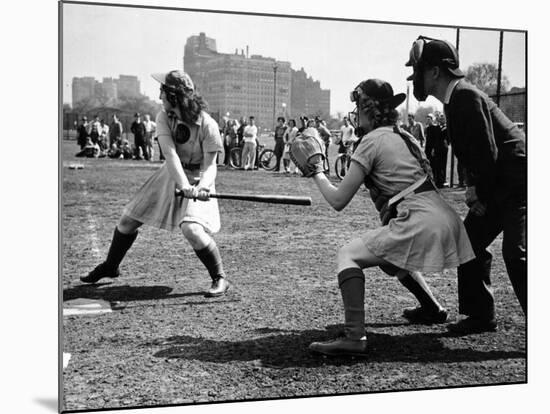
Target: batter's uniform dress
427 235
491 148
155 203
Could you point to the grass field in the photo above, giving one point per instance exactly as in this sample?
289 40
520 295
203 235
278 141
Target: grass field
164 343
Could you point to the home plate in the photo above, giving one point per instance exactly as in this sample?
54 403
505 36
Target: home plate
66 357
85 307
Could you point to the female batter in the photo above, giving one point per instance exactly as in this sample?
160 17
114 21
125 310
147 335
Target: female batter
420 231
190 141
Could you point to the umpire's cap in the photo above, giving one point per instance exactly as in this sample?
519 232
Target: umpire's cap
176 80
377 90
435 52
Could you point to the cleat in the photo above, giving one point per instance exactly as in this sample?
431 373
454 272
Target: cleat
218 288
101 271
341 347
472 325
421 316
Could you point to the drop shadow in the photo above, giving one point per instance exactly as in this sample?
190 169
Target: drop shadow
116 294
49 403
290 349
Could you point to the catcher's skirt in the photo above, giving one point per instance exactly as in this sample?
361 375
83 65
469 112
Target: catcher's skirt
155 204
427 236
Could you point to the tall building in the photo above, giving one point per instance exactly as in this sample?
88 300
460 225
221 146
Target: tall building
83 88
241 85
127 86
105 92
307 96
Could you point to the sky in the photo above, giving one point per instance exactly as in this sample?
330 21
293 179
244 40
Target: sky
106 41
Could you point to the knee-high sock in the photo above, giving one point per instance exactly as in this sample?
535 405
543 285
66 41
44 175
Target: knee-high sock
352 287
212 260
120 244
418 287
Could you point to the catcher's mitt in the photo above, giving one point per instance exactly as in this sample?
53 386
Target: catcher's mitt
308 153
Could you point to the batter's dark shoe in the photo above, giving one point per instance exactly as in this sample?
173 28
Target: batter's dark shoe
472 325
341 347
422 316
101 271
218 288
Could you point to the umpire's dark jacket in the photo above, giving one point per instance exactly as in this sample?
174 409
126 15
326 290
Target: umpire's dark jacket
487 143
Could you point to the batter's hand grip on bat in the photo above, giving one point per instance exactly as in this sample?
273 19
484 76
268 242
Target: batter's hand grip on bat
261 198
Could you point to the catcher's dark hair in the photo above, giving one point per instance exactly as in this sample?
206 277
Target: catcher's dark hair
189 103
382 115
281 118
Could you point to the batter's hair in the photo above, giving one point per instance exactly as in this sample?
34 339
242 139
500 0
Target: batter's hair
189 103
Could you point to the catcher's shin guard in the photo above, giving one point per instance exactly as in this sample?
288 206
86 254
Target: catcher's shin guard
418 287
352 287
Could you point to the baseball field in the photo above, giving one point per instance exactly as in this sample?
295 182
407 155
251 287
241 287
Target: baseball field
161 342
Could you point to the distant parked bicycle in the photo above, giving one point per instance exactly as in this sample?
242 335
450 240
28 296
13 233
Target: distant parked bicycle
265 158
342 163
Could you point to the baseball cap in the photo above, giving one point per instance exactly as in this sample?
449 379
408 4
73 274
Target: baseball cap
378 90
435 52
175 79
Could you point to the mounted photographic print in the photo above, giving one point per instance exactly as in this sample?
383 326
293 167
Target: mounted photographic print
261 207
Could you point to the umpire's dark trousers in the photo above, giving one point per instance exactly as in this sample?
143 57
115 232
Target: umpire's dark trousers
506 213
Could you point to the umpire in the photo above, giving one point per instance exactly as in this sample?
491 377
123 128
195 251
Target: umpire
492 150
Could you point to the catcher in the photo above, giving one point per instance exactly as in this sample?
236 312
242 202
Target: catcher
419 231
190 141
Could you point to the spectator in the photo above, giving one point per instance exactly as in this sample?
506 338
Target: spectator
103 134
441 153
347 138
82 133
416 130
138 129
90 150
240 131
95 128
325 135
150 129
433 131
115 132
250 136
280 130
289 137
303 124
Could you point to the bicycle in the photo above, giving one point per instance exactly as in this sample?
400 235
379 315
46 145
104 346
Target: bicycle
265 158
343 161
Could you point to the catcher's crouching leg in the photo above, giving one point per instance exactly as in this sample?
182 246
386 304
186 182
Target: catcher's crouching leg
352 287
429 311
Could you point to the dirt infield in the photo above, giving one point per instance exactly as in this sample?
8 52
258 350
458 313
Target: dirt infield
165 343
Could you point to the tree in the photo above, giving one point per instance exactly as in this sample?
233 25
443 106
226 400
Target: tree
485 77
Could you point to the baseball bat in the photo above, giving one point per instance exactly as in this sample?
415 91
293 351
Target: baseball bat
261 198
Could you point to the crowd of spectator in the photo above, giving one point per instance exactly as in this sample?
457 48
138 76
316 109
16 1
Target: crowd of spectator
97 139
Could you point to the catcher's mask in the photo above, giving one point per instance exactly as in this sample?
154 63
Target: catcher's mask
427 51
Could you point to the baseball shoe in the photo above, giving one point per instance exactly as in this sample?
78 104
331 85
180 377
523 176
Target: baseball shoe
471 325
100 271
218 288
340 347
421 316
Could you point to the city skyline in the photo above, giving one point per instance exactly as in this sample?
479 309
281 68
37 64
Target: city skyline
337 53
